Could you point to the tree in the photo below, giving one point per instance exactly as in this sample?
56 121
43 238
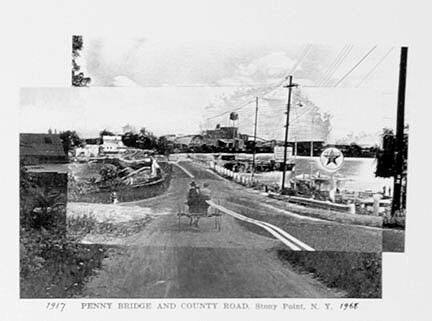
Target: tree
105 132
78 78
354 150
146 139
130 139
70 139
163 146
386 154
108 172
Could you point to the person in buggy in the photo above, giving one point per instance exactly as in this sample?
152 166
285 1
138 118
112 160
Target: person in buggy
196 201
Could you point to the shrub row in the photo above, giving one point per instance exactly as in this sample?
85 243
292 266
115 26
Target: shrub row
356 273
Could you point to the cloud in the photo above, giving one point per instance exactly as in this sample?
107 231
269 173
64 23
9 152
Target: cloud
269 65
263 70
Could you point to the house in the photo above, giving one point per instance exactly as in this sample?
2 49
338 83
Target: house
38 149
225 137
221 133
88 150
45 162
230 143
112 145
93 141
188 141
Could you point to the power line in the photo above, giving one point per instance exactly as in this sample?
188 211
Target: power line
304 113
232 110
374 67
328 80
329 68
300 60
355 66
302 56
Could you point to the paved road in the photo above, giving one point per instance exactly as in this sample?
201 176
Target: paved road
240 260
319 234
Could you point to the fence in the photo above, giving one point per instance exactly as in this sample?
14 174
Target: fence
252 182
237 177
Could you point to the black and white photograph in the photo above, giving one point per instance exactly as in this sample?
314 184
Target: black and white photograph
196 170
209 160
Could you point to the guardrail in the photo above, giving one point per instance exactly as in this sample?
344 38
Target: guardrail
348 208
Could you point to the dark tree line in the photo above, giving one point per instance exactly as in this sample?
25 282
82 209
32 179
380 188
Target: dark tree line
78 78
105 132
386 154
145 139
70 140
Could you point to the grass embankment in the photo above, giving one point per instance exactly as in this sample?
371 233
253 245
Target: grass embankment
81 226
356 273
105 221
53 262
53 266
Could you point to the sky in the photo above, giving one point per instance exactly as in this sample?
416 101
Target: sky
180 86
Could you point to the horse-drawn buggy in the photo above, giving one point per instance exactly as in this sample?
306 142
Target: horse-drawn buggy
197 207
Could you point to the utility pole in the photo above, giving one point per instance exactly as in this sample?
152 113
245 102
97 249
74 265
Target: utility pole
289 86
255 130
400 124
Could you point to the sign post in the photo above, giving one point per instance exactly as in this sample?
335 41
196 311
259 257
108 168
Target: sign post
280 157
332 160
278 153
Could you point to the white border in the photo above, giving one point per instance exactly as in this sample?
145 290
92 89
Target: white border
36 52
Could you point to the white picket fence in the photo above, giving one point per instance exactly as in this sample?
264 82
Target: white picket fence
240 178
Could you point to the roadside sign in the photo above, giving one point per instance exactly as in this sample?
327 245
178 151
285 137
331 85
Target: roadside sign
278 153
332 159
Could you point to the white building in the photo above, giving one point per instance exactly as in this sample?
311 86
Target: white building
113 145
88 150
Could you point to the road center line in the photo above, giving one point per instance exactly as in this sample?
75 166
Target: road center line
184 170
290 237
281 235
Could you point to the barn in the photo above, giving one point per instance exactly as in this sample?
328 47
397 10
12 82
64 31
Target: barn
38 149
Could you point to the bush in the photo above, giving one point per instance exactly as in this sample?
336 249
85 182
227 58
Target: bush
51 266
108 172
359 274
396 221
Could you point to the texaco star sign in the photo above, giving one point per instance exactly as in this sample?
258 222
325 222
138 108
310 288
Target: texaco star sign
332 159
